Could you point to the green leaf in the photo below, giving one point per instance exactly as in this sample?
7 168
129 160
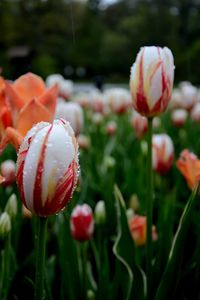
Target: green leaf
68 260
130 277
171 274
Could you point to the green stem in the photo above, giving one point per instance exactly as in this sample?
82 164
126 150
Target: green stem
40 257
84 268
149 207
6 268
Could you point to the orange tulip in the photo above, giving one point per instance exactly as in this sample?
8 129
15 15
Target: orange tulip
2 179
5 115
31 102
138 229
189 166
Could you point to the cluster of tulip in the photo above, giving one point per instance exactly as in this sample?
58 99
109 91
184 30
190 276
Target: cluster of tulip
130 247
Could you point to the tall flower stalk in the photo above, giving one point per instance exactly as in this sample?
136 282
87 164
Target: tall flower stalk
47 170
151 85
149 209
40 257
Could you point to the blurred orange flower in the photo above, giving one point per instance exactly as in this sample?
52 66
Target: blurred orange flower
5 115
30 102
189 166
2 179
138 229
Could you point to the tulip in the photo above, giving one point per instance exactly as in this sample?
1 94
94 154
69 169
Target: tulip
5 115
8 168
65 86
163 153
189 95
176 99
179 117
2 179
30 102
100 212
5 224
111 128
119 100
189 166
71 112
195 113
97 102
139 124
83 141
11 206
47 167
82 223
138 229
151 80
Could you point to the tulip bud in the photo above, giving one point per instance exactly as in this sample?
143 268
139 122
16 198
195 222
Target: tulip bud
82 223
11 206
189 94
90 295
134 202
119 100
129 213
139 124
151 80
138 229
163 153
5 224
83 141
179 117
47 167
8 171
71 112
111 128
100 212
195 113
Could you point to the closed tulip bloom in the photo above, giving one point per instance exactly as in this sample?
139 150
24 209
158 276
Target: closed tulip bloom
189 166
139 124
111 128
8 168
118 99
71 112
179 117
151 80
82 223
189 94
47 167
138 229
163 153
195 113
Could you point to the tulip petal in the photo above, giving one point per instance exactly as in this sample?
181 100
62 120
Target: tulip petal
14 137
15 101
49 98
2 179
31 114
29 86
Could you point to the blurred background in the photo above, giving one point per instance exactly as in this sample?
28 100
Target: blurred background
86 38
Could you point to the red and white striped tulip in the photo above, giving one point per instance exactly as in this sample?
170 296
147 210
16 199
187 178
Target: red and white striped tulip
179 117
71 112
82 223
47 167
151 80
195 112
163 153
139 123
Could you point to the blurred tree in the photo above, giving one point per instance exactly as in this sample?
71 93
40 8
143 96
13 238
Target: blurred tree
62 33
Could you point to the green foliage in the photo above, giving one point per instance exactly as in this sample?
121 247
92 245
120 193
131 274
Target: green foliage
61 33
